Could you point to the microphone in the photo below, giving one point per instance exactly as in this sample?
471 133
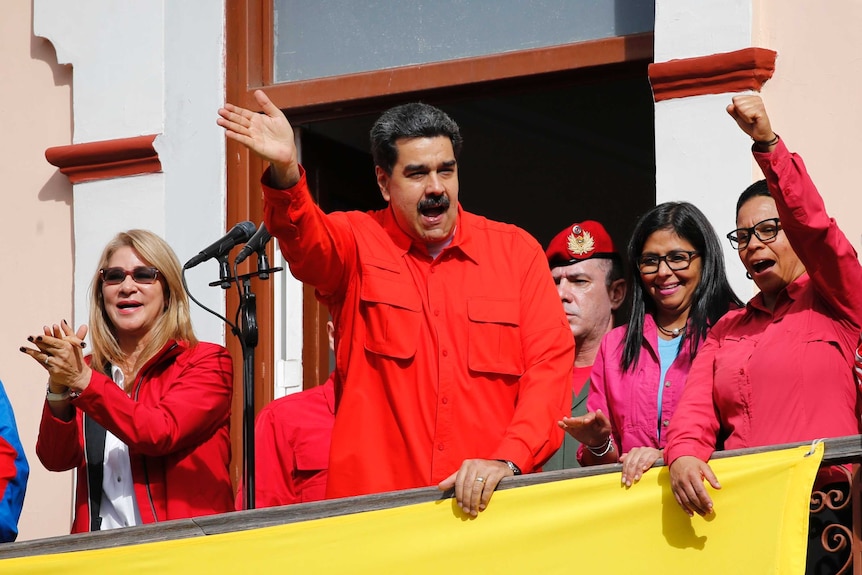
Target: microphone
239 233
257 243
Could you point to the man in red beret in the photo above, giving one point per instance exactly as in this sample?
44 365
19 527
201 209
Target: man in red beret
589 276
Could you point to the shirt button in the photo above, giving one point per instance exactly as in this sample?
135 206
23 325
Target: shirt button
666 422
445 353
118 480
439 447
436 312
445 400
667 384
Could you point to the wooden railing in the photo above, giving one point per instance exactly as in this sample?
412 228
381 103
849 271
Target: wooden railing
837 451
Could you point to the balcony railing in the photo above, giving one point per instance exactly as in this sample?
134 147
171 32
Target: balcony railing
840 544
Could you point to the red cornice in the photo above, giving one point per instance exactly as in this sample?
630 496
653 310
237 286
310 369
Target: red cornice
106 159
746 69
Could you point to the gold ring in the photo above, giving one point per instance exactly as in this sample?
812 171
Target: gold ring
480 479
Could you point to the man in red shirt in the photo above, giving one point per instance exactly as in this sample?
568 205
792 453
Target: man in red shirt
292 436
588 272
453 356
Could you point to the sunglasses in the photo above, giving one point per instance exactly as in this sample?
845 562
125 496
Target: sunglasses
141 275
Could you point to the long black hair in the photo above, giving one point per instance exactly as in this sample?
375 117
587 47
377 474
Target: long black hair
713 295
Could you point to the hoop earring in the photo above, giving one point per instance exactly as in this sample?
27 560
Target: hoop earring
748 275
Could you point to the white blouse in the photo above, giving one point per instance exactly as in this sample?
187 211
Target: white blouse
119 508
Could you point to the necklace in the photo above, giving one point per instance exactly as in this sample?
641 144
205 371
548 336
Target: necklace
671 332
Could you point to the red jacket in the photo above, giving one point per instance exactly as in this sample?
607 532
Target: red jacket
176 424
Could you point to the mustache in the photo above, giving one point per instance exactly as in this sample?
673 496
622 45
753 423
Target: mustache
433 202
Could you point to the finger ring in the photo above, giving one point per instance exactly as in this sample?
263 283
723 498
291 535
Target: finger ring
480 479
47 357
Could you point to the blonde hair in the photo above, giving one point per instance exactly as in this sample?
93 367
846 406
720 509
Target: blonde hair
174 324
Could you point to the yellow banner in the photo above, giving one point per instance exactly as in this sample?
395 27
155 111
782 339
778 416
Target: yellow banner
585 525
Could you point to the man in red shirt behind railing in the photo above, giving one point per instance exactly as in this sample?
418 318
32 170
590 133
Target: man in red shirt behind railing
453 356
292 435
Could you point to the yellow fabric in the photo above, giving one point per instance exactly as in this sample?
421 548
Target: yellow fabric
586 525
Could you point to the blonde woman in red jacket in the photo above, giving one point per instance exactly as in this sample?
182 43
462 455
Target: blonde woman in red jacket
149 409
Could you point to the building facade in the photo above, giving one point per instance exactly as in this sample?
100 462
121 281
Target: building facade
576 120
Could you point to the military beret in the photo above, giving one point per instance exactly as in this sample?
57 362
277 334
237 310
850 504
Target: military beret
579 242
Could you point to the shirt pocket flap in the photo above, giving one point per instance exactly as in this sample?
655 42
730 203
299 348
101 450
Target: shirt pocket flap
392 313
502 311
494 336
312 450
389 289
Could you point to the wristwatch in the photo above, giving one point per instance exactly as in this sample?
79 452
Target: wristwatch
515 469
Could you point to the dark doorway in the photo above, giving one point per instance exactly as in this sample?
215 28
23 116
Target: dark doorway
540 155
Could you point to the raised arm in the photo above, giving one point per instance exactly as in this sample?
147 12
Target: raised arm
828 256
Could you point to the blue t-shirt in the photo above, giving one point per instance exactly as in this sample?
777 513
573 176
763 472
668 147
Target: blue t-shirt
668 349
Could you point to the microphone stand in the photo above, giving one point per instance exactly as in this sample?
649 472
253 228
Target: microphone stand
248 327
225 278
249 338
247 333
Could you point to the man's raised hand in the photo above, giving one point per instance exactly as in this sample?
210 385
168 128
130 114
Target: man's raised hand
269 135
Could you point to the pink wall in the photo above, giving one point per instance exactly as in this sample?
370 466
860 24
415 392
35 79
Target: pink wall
813 98
37 230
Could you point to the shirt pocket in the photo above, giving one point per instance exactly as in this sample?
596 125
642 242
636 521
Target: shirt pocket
312 462
392 313
731 380
824 367
494 336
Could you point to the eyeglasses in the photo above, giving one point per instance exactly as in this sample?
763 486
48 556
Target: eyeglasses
676 260
141 275
765 232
